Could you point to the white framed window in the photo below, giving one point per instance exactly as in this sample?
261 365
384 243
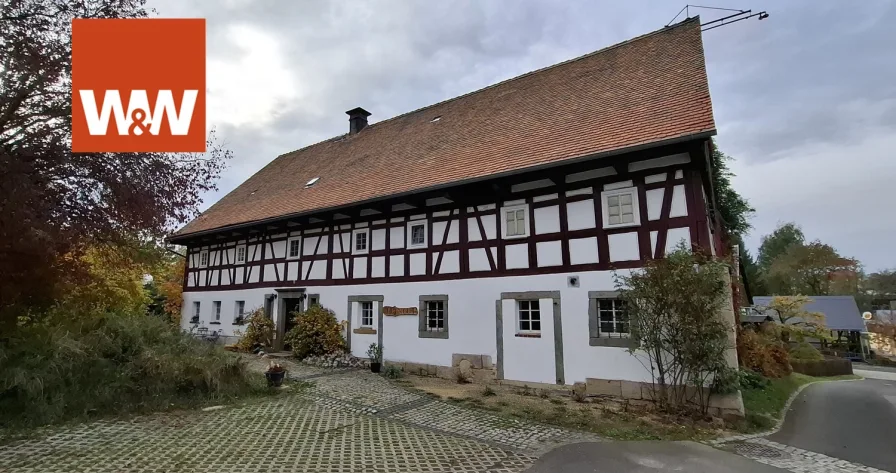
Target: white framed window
361 241
195 318
528 317
417 234
515 221
240 254
620 208
294 248
216 311
203 259
366 313
240 310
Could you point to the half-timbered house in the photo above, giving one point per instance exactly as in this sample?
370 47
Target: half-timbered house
485 227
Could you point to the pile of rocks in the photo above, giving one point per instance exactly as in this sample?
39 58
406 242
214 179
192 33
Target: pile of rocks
336 360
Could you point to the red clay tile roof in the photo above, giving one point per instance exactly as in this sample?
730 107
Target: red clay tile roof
649 89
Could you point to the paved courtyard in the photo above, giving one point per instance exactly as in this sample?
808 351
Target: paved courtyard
344 421
353 420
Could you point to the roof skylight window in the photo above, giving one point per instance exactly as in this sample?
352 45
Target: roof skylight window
312 182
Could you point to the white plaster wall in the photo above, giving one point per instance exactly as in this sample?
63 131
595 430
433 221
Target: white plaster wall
580 215
378 239
450 262
269 273
338 269
679 204
676 236
624 246
396 265
583 250
378 268
360 267
654 203
479 260
396 237
529 359
471 321
491 228
517 256
418 264
549 253
547 220
473 233
318 270
279 249
292 271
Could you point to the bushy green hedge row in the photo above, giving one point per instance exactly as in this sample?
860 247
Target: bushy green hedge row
99 364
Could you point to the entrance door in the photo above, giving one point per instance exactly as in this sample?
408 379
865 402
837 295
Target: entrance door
288 303
291 306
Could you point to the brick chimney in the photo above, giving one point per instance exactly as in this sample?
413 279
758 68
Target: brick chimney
357 120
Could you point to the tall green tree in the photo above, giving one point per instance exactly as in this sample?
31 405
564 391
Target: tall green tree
778 242
733 209
813 269
751 271
882 284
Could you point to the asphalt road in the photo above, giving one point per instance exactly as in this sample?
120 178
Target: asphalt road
853 421
643 457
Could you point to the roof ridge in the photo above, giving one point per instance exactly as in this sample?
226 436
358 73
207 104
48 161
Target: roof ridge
490 86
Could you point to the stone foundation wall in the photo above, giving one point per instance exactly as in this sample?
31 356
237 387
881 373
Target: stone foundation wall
725 406
475 368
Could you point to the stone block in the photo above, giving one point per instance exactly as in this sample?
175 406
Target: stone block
475 360
484 376
487 362
579 390
630 390
445 372
603 387
464 370
731 405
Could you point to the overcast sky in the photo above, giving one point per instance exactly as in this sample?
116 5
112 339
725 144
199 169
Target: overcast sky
805 100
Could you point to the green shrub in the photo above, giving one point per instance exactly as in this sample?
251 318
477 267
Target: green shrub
259 332
316 333
99 364
804 351
751 380
392 372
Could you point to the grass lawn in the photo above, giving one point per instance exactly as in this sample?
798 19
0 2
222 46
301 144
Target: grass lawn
764 405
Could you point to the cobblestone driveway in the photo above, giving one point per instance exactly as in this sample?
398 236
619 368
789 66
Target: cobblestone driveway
347 421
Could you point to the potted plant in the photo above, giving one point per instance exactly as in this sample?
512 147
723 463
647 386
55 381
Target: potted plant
275 374
375 353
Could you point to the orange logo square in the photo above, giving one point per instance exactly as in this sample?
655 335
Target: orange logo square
138 85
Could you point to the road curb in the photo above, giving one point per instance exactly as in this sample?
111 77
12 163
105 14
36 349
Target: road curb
782 415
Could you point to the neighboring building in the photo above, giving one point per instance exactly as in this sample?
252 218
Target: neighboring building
841 317
487 226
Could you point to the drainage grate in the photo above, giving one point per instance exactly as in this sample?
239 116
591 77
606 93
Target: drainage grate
757 450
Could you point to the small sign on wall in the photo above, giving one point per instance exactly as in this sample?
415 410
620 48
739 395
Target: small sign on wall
396 311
